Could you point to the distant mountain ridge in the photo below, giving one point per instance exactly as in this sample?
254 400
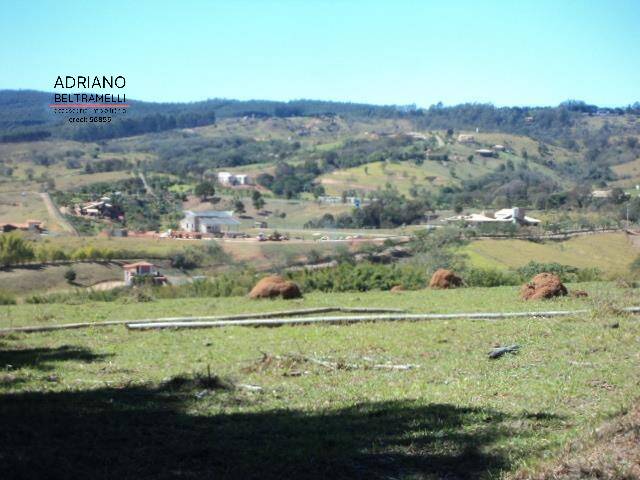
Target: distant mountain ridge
25 116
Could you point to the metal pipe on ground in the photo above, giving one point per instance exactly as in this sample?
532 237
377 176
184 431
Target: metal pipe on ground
276 322
242 316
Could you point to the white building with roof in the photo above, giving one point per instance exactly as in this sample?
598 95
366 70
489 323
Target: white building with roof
211 221
228 178
505 215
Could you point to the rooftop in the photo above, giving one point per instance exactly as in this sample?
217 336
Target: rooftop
137 264
210 213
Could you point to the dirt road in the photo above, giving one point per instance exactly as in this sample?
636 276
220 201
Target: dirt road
56 215
146 185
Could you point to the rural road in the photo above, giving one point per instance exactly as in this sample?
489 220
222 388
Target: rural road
106 285
146 185
56 215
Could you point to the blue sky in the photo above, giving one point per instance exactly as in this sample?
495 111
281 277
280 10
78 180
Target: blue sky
506 52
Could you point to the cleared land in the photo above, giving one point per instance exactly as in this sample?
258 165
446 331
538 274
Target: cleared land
20 206
612 253
629 173
252 403
372 176
28 280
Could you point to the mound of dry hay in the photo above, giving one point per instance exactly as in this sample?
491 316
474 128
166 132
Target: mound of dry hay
275 286
543 285
443 278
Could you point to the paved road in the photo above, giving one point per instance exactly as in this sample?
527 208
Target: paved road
55 214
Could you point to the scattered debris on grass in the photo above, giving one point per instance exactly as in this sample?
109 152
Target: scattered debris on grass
601 384
206 381
294 365
443 278
500 351
275 286
579 294
543 285
251 388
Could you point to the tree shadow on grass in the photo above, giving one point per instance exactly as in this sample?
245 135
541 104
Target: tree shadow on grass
160 432
42 358
13 268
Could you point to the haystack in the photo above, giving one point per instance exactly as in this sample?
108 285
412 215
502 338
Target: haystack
275 286
443 278
543 285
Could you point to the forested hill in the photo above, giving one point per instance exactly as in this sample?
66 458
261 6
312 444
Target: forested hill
25 116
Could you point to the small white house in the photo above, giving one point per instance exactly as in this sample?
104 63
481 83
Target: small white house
241 179
228 178
485 152
465 138
515 215
225 178
142 269
602 193
212 221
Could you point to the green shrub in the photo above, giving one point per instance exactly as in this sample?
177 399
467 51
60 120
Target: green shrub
199 256
70 275
591 274
7 298
360 277
14 249
489 277
635 266
78 297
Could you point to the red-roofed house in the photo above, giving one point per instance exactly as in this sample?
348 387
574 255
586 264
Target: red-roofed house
142 269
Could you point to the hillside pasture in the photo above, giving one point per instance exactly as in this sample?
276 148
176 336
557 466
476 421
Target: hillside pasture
22 281
611 253
376 175
20 206
628 174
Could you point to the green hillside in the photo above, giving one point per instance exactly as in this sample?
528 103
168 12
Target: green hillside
610 253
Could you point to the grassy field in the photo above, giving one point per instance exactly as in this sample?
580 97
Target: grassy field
629 173
376 175
108 403
18 207
422 301
518 143
612 253
28 280
404 175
